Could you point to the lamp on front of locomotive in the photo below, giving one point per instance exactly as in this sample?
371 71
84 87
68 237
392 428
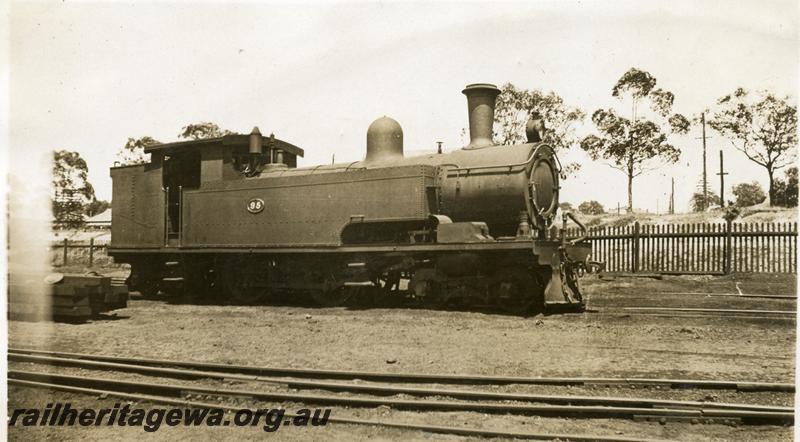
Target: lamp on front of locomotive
534 128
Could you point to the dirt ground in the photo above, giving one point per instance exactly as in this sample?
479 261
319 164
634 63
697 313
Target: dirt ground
605 341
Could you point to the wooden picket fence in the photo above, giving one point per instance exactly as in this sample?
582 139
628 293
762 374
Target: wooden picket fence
678 249
684 249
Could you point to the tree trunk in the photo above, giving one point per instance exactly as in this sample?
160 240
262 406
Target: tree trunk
770 172
630 179
630 193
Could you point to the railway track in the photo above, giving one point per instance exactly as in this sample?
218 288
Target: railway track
732 295
436 429
689 312
382 390
405 378
376 395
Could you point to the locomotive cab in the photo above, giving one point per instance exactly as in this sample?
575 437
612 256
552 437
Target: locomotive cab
180 171
149 198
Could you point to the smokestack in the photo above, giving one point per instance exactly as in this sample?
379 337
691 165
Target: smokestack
480 105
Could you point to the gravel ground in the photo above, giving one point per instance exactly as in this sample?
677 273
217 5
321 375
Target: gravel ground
431 341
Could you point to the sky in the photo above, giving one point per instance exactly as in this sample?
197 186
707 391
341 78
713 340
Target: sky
86 76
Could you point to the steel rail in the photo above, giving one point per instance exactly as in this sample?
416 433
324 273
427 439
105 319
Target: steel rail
395 390
421 377
572 411
669 314
460 431
711 310
732 295
673 315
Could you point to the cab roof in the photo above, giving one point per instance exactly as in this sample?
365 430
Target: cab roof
232 140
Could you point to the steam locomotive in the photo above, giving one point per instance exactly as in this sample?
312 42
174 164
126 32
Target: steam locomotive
235 214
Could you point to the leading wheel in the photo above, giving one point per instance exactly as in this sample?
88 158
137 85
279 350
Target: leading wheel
425 286
516 291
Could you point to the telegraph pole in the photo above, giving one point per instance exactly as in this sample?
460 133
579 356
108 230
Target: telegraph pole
672 198
705 179
721 174
705 170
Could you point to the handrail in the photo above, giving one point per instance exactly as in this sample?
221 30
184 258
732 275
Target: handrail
180 215
584 230
495 166
166 216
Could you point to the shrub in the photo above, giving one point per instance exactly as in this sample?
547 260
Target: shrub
591 208
786 191
749 194
731 212
698 203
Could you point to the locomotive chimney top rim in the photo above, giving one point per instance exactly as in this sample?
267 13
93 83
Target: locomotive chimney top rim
477 86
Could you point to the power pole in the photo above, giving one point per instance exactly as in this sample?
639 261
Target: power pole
439 148
705 179
721 174
672 198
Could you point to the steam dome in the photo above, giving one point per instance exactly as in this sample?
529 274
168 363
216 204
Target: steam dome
384 140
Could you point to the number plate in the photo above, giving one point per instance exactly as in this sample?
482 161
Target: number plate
255 205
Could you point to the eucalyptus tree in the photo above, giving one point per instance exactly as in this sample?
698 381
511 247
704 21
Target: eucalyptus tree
72 190
202 130
763 126
640 143
133 151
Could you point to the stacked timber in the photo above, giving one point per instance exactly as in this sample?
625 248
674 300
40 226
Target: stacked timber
63 297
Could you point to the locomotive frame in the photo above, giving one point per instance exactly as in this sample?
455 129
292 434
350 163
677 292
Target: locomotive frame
235 213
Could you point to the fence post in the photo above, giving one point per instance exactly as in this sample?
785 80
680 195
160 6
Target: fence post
635 263
728 249
91 251
66 248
